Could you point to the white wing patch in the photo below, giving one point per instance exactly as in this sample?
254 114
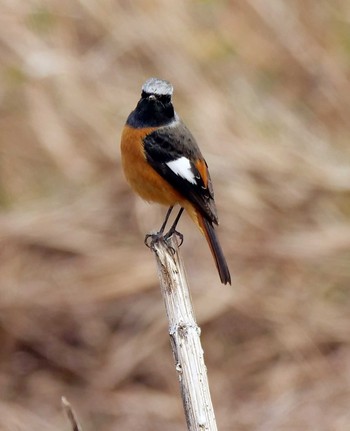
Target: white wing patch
182 167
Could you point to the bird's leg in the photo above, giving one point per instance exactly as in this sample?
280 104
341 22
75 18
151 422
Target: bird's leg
173 230
161 230
154 236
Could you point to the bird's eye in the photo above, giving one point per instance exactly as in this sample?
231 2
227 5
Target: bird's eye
164 98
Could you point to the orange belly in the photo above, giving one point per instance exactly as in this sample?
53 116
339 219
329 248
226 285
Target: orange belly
145 181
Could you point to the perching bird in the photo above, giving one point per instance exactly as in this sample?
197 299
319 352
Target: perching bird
162 163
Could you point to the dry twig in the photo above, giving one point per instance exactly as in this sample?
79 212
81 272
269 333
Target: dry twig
184 337
71 415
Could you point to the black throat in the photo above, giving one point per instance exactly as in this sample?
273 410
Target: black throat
151 113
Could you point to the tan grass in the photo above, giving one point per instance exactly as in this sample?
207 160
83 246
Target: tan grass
264 86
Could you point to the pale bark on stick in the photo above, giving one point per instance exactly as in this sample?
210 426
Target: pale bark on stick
70 415
185 337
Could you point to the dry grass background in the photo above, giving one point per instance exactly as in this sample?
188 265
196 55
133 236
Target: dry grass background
264 86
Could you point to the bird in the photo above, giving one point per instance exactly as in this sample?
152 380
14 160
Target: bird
163 163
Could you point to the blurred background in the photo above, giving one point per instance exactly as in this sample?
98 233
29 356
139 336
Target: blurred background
264 87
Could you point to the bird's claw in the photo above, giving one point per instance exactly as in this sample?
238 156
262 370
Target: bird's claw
177 233
152 238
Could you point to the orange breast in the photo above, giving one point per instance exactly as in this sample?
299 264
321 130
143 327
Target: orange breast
141 176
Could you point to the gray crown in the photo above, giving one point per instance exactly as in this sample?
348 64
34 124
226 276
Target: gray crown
157 86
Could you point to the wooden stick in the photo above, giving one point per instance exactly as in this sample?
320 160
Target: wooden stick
70 415
184 337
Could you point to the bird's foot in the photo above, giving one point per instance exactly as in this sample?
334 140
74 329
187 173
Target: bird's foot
152 238
177 233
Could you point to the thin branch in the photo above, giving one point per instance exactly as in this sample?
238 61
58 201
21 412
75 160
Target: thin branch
70 414
184 337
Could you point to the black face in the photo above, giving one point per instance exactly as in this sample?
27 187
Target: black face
152 110
162 98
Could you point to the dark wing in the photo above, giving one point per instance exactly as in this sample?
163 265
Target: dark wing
174 154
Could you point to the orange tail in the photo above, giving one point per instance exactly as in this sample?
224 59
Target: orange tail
208 229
